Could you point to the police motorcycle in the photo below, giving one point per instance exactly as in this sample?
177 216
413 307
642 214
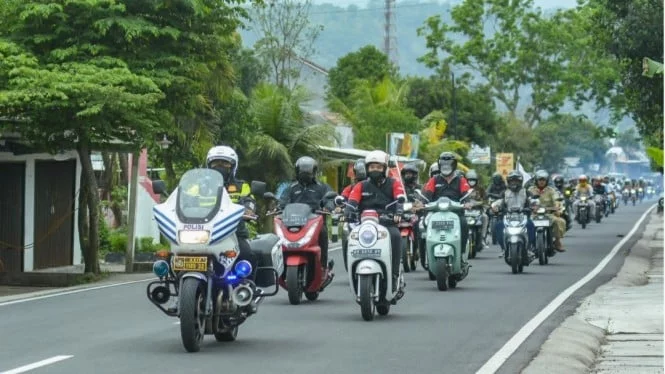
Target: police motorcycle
370 263
208 289
625 194
544 246
444 242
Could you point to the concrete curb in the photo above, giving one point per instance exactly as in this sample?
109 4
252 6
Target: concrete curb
573 347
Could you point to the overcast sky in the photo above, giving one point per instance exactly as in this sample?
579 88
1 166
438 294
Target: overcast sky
541 3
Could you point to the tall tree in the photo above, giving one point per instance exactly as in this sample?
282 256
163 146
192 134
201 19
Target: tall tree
86 73
511 45
367 63
286 37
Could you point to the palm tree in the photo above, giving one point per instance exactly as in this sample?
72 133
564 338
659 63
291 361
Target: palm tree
285 132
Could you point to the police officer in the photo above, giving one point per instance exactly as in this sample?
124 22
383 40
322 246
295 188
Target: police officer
548 199
308 190
559 184
225 160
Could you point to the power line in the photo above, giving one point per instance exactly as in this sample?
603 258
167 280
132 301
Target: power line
376 9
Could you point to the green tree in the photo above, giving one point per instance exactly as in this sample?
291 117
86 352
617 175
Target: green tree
286 37
476 117
513 47
85 73
367 63
377 109
569 136
514 136
630 31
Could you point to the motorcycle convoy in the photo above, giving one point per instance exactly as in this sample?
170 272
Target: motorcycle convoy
203 282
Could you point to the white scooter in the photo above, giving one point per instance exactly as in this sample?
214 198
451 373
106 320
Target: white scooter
370 265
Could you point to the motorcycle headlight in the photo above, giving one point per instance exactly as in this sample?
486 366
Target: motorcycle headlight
583 198
367 236
193 237
514 230
444 205
541 211
470 220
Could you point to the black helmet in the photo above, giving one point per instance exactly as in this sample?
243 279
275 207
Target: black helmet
558 181
359 170
497 178
306 169
447 163
514 180
409 168
472 178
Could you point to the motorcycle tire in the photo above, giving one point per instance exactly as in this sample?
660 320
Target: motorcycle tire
192 320
471 244
514 258
541 249
312 296
431 275
345 250
441 269
366 290
293 287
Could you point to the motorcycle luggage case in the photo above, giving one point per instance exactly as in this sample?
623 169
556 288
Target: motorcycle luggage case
262 247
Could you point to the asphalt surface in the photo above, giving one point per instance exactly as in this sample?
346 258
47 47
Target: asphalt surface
114 330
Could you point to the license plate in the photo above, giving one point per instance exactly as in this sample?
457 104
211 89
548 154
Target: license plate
541 223
366 252
190 263
443 225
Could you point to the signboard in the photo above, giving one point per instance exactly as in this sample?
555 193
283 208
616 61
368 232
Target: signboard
401 144
479 156
504 163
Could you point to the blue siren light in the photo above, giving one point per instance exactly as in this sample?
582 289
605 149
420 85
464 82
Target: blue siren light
160 268
243 269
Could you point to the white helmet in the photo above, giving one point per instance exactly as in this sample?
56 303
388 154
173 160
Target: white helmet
225 153
434 169
377 157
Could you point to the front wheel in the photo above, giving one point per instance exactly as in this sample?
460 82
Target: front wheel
192 317
345 249
312 296
471 244
514 258
541 248
441 269
293 286
366 290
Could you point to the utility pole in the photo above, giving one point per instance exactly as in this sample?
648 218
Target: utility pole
454 102
390 34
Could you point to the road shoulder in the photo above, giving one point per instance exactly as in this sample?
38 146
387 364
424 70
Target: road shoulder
615 327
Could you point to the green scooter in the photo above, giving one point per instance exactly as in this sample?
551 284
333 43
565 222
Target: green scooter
447 264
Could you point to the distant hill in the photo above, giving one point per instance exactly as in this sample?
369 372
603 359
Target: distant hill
348 28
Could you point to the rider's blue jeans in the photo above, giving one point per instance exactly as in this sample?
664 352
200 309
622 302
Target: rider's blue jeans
530 228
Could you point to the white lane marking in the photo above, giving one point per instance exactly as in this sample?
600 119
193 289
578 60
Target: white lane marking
37 364
63 293
503 354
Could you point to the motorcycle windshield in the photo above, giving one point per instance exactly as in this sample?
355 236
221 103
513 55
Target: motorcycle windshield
199 195
296 215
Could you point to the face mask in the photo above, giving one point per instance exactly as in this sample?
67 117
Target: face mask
225 171
305 178
446 167
472 183
376 176
409 179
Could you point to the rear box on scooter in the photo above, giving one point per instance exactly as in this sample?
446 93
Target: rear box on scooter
267 254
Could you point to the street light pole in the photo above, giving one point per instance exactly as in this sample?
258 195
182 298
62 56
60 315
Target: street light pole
454 102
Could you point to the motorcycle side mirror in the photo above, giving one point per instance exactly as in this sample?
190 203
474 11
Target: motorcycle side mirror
269 196
258 188
401 199
158 187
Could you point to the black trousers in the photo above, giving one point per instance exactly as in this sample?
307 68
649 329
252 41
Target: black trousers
396 244
323 243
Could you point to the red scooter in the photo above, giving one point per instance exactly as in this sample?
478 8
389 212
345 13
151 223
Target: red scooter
299 229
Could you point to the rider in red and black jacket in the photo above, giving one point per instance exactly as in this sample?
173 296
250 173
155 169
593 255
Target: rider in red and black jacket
377 192
450 185
360 174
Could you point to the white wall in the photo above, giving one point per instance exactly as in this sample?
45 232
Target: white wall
145 224
29 206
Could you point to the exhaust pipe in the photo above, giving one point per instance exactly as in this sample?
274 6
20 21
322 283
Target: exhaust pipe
242 295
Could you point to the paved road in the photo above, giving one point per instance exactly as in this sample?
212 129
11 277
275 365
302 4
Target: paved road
116 330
